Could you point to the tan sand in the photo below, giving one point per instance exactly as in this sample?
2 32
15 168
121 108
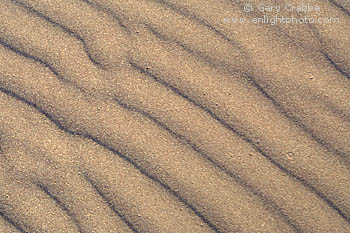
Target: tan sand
159 116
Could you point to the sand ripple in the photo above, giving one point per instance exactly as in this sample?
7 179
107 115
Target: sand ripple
158 116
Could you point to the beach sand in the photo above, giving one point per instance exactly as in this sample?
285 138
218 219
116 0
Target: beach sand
174 116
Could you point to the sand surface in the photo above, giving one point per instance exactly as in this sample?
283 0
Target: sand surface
168 116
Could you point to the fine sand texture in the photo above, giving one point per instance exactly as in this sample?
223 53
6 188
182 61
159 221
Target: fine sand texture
166 116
